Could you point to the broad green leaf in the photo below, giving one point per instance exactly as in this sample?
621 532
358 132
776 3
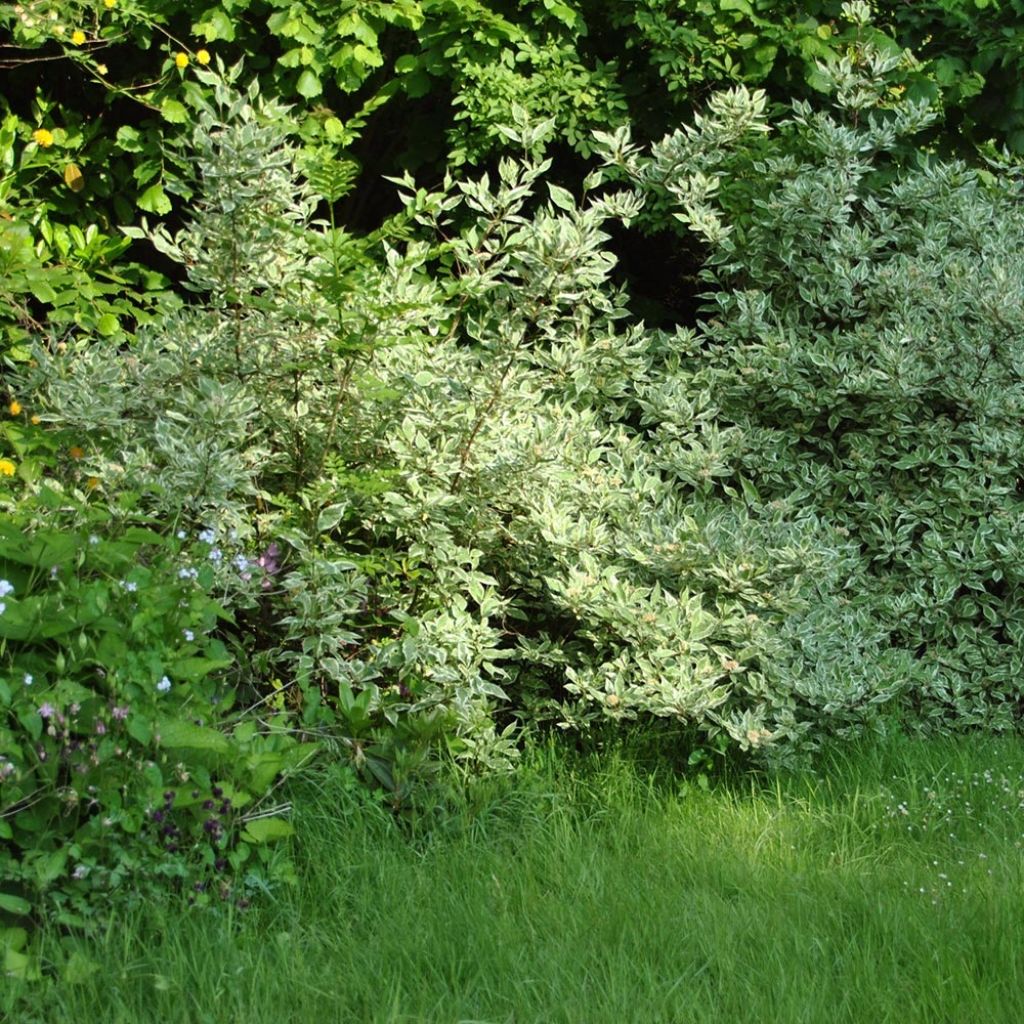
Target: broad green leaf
178 734
309 84
154 200
174 111
267 830
14 904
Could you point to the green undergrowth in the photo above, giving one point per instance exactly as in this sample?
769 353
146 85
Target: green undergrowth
883 885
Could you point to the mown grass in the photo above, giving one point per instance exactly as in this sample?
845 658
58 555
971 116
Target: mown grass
885 886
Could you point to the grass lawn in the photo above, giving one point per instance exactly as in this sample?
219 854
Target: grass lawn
885 886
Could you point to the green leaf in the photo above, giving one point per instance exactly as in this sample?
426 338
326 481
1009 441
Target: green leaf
267 830
309 84
107 325
51 866
14 904
215 25
190 669
79 968
186 735
562 198
129 139
174 111
154 200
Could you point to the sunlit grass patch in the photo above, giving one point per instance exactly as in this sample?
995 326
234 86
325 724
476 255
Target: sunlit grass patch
884 886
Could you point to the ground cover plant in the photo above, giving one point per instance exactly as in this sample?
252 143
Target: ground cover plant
887 886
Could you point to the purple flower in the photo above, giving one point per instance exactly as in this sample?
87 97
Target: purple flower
268 560
119 713
47 710
101 728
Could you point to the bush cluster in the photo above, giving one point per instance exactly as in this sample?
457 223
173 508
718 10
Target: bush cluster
432 488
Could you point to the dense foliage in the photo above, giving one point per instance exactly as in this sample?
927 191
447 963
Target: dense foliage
427 489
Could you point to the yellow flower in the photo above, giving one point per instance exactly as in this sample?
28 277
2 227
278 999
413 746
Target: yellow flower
7 467
203 57
110 4
78 37
43 138
36 420
15 407
92 483
101 69
75 452
181 60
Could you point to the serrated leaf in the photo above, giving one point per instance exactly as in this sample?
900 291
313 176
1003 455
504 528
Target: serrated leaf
174 111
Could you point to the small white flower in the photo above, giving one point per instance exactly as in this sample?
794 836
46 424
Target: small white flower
130 585
164 685
181 535
3 607
93 539
6 587
28 679
188 574
189 635
80 872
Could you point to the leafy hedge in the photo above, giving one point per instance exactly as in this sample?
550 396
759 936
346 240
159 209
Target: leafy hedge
423 490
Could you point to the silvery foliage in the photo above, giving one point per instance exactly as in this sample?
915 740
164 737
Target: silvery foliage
562 494
864 339
559 478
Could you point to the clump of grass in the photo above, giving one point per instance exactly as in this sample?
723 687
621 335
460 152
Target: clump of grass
884 886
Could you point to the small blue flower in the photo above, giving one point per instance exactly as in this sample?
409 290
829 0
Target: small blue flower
188 574
130 585
241 562
164 685
181 535
207 536
6 587
216 555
